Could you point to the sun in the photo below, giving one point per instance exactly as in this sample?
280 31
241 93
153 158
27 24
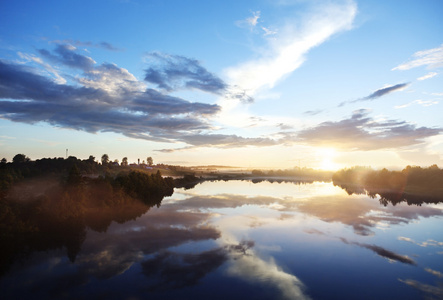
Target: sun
326 158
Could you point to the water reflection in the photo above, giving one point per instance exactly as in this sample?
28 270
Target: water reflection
363 215
267 240
413 185
258 271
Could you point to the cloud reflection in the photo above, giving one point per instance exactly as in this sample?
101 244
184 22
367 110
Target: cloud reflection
363 215
426 243
428 289
171 270
392 256
253 269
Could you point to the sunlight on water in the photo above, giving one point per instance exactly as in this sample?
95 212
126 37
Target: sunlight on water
278 190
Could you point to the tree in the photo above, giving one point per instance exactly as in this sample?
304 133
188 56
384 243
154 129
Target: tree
150 161
91 159
4 160
124 161
116 161
20 158
74 176
105 159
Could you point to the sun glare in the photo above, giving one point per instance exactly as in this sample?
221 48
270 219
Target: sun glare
326 158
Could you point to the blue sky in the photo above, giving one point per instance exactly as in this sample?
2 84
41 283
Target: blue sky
275 84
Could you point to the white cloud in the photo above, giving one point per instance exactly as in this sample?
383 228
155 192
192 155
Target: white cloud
432 58
283 52
29 57
287 52
254 19
112 79
427 76
253 269
250 22
268 31
419 102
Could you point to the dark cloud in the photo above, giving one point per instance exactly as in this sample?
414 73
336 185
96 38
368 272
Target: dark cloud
313 112
387 90
154 102
172 270
360 132
107 98
66 55
388 254
103 45
378 93
172 72
108 46
383 252
220 141
110 99
228 141
237 93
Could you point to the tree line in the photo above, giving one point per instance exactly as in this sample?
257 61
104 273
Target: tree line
413 184
22 167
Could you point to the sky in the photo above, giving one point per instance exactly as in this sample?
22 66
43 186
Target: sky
254 84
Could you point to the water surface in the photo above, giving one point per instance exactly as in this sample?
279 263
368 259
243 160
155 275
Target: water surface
239 239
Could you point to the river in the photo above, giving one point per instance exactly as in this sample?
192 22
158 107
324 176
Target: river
244 240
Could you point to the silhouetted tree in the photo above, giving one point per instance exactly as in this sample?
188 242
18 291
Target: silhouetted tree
150 161
105 159
91 159
124 161
20 158
4 160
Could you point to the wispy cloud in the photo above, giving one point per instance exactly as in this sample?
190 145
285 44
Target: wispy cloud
378 93
419 102
361 132
426 288
250 22
103 45
268 31
434 272
50 69
386 90
253 21
65 54
314 112
287 52
428 76
383 252
221 141
432 58
175 72
429 242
